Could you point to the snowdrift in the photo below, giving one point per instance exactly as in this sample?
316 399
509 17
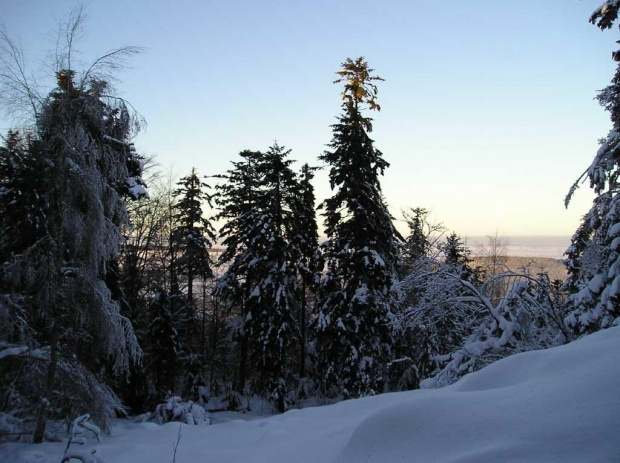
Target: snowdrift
557 405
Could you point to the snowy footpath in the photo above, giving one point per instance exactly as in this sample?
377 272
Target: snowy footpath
557 405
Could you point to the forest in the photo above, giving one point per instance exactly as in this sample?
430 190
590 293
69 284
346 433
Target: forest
126 292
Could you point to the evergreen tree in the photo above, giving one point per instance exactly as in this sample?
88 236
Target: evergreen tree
163 350
276 288
268 238
306 244
418 243
450 319
237 199
356 298
194 233
22 201
593 259
192 236
457 258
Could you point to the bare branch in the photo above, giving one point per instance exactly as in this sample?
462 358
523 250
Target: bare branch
111 61
69 32
18 89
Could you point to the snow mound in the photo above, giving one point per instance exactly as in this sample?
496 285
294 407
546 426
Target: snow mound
556 405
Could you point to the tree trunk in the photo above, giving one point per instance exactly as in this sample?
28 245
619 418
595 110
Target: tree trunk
39 432
243 361
214 330
244 342
203 344
190 288
302 323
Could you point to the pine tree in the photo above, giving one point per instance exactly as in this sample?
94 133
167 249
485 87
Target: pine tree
356 299
593 259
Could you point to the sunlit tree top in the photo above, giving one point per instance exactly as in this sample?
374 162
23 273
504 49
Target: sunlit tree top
359 87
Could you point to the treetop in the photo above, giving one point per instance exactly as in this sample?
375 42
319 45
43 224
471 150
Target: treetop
359 87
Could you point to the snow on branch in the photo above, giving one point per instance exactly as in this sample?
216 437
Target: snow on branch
22 351
506 330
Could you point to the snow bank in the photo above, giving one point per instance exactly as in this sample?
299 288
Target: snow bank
558 405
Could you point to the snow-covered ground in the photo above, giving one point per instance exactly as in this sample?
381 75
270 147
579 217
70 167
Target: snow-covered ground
557 405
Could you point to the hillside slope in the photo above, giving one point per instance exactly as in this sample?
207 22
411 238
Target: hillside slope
557 405
529 265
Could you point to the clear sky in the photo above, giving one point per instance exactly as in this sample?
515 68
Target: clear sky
487 113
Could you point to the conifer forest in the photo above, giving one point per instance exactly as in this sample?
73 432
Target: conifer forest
125 292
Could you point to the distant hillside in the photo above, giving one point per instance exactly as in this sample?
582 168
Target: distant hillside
531 265
534 246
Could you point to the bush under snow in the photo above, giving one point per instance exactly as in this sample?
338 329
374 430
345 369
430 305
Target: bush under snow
175 409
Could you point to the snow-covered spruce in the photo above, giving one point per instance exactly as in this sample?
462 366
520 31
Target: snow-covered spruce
267 240
593 259
356 295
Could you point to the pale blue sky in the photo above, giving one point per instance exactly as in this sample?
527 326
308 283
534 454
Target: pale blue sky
487 109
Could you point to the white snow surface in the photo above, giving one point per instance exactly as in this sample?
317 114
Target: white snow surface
556 405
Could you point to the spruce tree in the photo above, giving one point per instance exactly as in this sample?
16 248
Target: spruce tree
192 237
22 198
276 288
237 200
266 205
356 296
194 234
418 243
305 241
457 258
593 259
163 347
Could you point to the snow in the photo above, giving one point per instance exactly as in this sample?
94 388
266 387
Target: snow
116 140
614 230
136 188
18 350
597 283
556 405
175 409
